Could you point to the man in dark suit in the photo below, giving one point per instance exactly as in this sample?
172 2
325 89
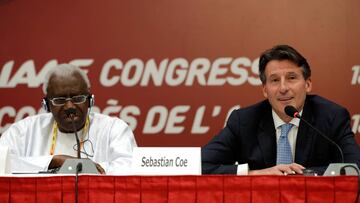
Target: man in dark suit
254 137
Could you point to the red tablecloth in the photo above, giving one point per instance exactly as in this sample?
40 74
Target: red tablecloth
180 189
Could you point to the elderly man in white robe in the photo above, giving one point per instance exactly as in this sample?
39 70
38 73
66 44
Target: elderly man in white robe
43 142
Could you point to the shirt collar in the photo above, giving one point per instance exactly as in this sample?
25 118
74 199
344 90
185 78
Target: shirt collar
278 122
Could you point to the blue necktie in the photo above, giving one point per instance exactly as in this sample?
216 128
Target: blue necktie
284 155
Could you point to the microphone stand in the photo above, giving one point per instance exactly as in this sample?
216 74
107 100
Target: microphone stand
293 112
325 137
70 166
76 137
71 112
78 169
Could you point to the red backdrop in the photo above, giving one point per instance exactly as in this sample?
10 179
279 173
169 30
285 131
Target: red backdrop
174 69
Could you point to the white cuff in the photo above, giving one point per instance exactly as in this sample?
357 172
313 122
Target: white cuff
242 169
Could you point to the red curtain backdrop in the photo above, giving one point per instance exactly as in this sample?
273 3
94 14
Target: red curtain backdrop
174 70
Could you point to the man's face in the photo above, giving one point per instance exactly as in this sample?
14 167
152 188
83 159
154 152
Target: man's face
285 85
68 87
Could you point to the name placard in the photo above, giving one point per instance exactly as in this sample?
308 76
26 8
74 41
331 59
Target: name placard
166 161
4 160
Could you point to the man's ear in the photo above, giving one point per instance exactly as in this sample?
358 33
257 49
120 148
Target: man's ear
264 91
308 85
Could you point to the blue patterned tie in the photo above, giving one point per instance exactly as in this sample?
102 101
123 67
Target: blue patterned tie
284 155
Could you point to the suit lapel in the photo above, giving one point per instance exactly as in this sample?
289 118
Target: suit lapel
267 139
305 136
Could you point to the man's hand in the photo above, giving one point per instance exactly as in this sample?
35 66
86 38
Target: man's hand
99 168
281 169
58 160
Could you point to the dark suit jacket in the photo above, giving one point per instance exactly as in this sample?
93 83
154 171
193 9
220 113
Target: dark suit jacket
249 137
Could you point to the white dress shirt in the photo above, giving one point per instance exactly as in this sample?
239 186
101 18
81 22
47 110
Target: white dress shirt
110 143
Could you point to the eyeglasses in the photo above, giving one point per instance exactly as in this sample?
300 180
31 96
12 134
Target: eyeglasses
60 101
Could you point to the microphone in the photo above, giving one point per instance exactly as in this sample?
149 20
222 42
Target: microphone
70 113
294 113
79 165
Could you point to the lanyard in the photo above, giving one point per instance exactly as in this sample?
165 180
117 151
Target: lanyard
55 132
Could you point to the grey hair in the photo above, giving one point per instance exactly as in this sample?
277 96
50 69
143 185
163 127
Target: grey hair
64 70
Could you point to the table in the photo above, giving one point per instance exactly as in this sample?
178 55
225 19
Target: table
181 189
